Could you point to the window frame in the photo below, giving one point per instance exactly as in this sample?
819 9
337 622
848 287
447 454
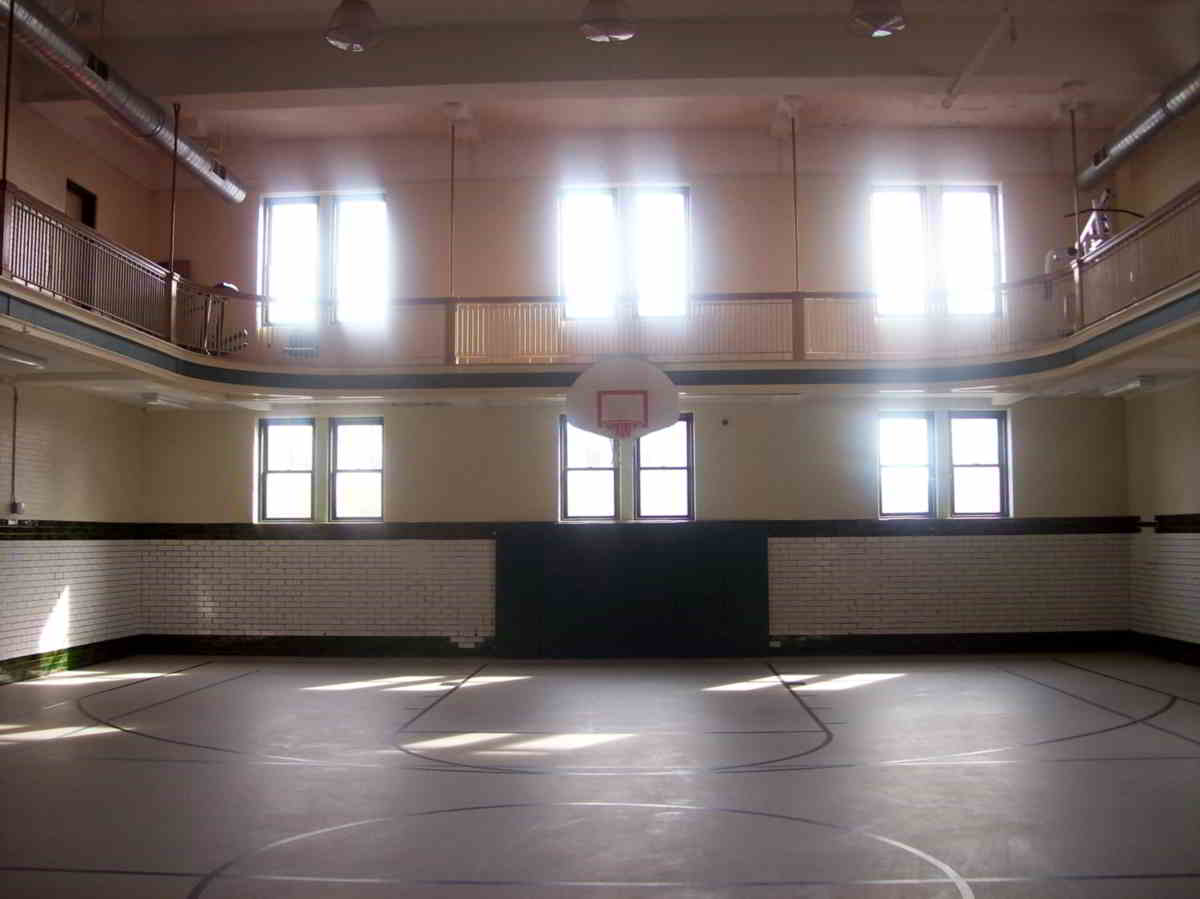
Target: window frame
689 467
264 276
563 471
937 293
1001 419
627 296
264 426
334 471
931 465
327 204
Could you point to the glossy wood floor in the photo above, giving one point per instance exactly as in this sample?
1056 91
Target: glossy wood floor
997 777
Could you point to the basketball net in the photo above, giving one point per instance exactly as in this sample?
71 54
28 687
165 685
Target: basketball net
621 429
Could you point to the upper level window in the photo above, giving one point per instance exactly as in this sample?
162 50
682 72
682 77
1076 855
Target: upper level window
331 248
624 242
935 248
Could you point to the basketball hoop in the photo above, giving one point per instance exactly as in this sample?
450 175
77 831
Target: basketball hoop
623 398
620 411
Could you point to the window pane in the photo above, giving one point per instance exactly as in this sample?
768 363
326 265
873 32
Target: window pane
975 441
289 495
977 491
661 243
358 494
359 446
588 252
590 494
898 251
969 250
588 450
663 493
361 259
293 258
289 447
904 491
664 448
904 441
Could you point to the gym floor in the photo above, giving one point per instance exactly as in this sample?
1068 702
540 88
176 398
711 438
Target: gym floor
901 777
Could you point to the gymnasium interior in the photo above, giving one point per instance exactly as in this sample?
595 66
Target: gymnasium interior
623 448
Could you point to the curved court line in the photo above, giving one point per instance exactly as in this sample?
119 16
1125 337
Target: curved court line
80 699
828 738
462 683
622 769
137 733
951 875
1131 683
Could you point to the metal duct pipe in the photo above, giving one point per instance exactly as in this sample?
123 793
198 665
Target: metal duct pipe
1182 95
41 33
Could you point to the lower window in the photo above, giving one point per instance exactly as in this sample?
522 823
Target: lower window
945 463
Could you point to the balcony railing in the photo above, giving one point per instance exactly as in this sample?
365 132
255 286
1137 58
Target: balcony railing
45 250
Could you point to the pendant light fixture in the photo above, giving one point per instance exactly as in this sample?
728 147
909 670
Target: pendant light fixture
607 21
877 18
354 26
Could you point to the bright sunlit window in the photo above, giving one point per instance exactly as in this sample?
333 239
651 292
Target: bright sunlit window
285 453
663 463
935 248
624 242
356 468
943 463
333 249
905 464
979 463
589 473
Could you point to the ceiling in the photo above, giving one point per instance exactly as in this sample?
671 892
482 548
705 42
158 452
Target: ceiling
159 18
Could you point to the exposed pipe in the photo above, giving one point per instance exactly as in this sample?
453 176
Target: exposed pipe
1182 94
174 188
14 507
40 33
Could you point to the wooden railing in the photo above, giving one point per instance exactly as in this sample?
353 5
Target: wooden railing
45 250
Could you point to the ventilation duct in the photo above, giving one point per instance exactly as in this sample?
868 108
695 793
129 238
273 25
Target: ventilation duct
1182 95
42 34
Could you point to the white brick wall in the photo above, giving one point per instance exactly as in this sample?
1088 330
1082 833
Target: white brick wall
898 585
317 587
1166 585
60 593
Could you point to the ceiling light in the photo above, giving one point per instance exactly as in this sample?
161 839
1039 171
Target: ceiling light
7 354
164 402
1138 383
354 26
607 21
877 18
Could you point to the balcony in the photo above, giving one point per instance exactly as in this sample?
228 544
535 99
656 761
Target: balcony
1135 272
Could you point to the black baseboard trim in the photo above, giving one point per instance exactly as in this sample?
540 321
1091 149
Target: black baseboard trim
900 644
1166 647
309 646
1177 524
82 656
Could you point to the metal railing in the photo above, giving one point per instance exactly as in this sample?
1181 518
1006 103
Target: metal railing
49 252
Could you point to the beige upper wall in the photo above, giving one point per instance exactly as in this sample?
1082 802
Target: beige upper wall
796 460
43 158
79 456
1163 431
505 241
1069 454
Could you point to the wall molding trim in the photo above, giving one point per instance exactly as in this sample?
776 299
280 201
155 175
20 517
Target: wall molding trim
486 530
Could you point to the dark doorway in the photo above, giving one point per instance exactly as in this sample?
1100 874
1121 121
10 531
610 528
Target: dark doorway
81 204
